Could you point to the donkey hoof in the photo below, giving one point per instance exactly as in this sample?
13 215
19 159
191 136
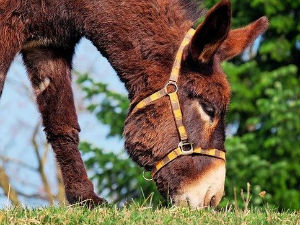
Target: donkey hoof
95 201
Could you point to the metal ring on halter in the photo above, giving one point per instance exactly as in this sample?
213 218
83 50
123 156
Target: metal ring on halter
147 179
186 148
171 83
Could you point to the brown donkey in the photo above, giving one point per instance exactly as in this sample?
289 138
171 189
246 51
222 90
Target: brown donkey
143 40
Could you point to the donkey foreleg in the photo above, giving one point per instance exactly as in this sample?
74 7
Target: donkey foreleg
11 39
50 74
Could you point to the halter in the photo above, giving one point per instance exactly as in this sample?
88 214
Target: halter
184 146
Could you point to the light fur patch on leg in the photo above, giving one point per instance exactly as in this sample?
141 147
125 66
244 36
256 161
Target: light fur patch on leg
42 86
37 43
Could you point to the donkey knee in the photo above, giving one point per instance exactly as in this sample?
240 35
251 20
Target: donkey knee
65 135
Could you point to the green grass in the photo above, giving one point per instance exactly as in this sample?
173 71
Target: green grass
139 214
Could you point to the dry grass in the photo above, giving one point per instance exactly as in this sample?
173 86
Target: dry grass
139 214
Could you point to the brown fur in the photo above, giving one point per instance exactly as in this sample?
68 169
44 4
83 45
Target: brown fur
140 39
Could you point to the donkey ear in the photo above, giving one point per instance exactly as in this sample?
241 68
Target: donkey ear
241 38
210 34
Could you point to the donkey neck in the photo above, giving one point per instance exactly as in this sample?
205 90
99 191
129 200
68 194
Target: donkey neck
139 39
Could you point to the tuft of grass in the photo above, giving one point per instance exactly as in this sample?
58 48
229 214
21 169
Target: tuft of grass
143 214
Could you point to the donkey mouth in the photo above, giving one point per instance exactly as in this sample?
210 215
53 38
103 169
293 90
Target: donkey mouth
205 191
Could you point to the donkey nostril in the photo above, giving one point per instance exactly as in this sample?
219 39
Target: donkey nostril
188 201
212 202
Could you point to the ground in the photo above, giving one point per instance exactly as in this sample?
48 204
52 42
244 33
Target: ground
139 214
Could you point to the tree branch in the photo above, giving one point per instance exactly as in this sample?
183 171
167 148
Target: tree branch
41 165
19 162
7 188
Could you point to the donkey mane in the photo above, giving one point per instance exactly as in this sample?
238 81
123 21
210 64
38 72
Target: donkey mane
151 32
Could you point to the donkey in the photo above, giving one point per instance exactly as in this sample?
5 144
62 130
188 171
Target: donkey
141 41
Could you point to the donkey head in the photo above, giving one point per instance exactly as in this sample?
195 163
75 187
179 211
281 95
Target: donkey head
204 93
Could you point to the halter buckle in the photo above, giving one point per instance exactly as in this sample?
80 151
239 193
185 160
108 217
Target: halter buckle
169 84
186 148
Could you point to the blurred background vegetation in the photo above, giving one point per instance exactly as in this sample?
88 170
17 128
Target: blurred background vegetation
263 125
263 120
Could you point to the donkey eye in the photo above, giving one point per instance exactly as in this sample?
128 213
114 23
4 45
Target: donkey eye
208 109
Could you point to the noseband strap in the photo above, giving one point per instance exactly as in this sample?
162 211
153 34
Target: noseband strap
170 89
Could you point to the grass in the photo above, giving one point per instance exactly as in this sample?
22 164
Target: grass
144 212
139 214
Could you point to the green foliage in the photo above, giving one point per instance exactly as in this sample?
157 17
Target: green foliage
265 107
263 118
109 107
118 177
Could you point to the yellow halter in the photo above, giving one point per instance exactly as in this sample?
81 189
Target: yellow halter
184 146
